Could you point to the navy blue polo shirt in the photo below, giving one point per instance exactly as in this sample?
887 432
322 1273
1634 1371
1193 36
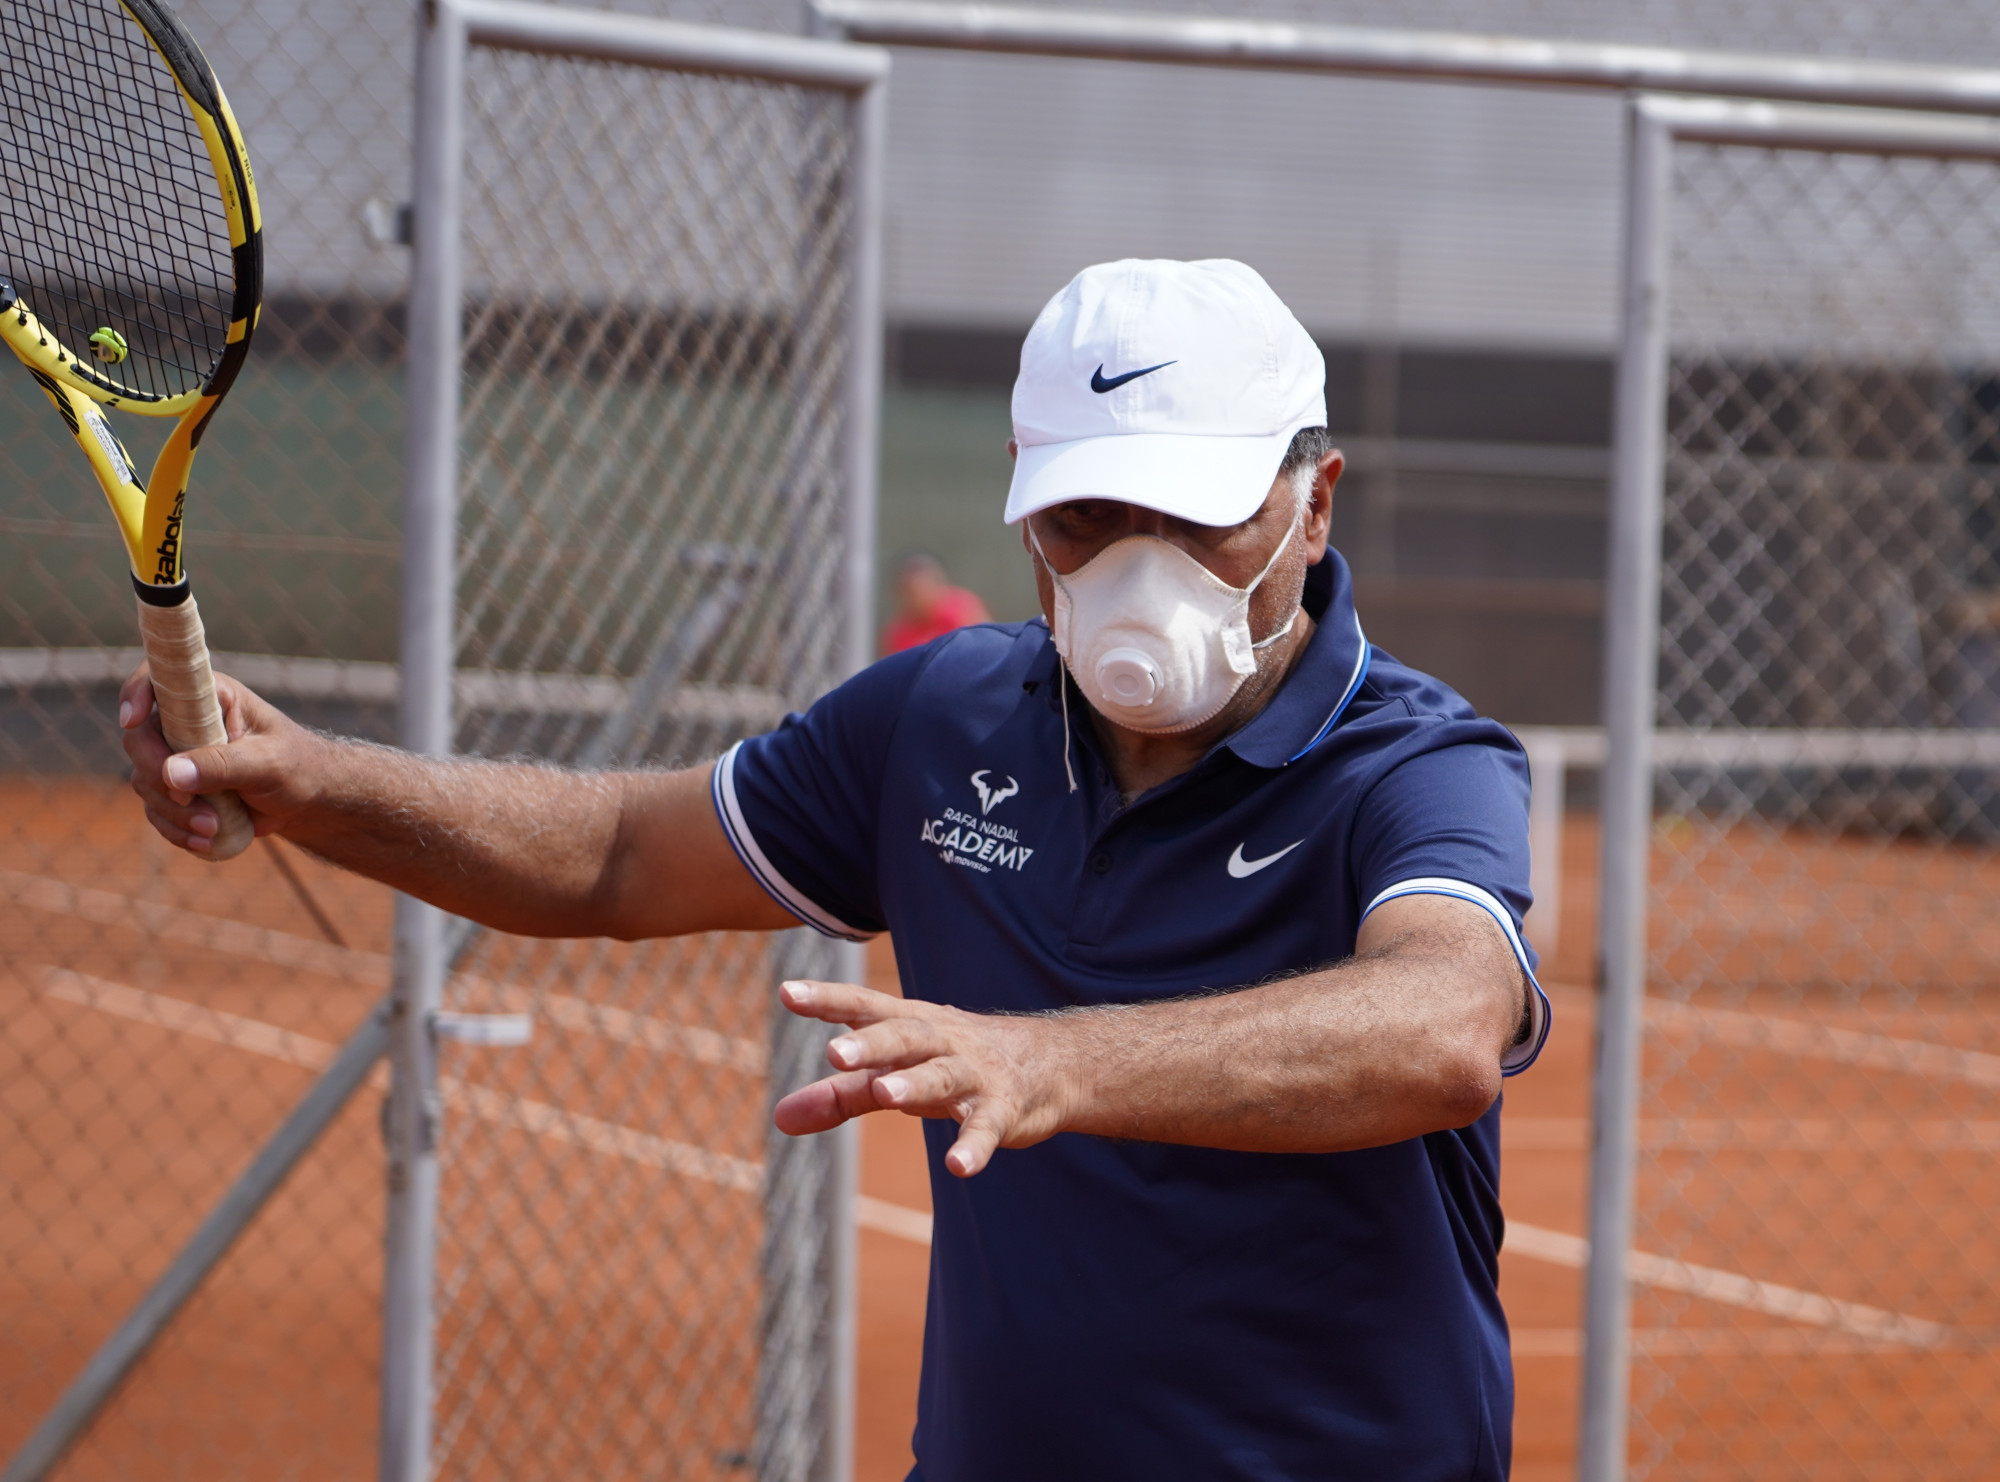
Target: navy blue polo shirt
1102 1309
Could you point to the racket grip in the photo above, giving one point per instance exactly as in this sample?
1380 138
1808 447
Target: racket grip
190 716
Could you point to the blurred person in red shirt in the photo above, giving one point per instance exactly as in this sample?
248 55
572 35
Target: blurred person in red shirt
927 604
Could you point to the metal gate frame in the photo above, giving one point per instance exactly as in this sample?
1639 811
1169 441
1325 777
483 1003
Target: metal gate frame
424 935
406 1025
1631 662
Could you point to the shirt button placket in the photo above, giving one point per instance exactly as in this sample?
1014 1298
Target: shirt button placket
1093 892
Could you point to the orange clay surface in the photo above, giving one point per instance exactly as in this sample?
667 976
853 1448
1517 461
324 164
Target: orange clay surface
124 1117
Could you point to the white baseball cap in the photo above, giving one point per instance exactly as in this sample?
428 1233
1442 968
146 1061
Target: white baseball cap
1173 385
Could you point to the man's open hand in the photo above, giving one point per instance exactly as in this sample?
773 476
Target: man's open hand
266 763
1007 1080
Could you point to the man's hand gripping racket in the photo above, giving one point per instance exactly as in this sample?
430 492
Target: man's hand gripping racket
131 271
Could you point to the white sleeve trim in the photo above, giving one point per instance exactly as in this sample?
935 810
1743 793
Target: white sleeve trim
781 890
1518 1057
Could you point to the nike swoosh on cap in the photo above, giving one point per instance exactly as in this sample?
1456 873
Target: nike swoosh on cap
1100 385
1241 868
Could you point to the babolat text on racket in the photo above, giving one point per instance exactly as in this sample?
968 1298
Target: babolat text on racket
131 269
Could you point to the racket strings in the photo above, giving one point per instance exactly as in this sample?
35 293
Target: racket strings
110 215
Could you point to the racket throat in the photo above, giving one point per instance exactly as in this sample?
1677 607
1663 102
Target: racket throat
174 594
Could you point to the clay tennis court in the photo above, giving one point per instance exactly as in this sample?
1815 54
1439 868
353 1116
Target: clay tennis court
146 1054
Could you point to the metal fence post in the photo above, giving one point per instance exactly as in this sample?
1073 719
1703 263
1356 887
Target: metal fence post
425 701
869 112
1631 655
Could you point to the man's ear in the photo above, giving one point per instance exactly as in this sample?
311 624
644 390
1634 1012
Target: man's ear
1319 520
1013 451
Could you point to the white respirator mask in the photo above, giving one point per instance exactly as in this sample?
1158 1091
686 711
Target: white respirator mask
1155 640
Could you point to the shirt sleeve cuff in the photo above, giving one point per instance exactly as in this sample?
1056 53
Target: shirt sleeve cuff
1522 1054
736 827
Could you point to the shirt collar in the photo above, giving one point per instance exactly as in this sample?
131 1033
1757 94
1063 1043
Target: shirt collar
1309 704
1324 681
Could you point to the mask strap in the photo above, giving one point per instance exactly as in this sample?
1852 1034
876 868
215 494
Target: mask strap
1298 518
1292 621
1062 664
1062 678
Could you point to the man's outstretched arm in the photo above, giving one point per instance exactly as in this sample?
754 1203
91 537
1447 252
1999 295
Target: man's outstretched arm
1404 1038
525 849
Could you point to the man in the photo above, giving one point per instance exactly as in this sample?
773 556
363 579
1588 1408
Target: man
1207 913
927 604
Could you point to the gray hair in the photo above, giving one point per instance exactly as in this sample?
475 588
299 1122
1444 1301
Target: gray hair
1301 461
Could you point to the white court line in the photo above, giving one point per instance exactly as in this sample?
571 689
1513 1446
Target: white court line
708 1047
1706 1343
284 949
899 1220
183 1017
498 1107
1825 1042
1734 1290
1759 1134
555 1124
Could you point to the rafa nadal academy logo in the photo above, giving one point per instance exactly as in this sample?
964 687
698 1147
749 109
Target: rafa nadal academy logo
992 797
976 842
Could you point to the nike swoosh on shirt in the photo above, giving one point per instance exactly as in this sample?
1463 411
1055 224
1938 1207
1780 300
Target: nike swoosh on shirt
1100 385
1241 868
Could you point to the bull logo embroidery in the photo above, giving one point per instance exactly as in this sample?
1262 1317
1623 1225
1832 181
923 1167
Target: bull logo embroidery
992 797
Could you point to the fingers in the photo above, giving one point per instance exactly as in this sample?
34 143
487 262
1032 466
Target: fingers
175 813
205 769
997 1076
178 818
980 1134
843 1003
267 772
242 710
936 1088
825 1104
178 828
135 699
253 765
889 1045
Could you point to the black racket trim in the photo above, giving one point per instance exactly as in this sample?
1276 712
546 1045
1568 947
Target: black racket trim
183 57
162 596
190 67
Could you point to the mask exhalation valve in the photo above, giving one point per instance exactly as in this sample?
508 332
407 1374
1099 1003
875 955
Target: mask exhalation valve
1128 677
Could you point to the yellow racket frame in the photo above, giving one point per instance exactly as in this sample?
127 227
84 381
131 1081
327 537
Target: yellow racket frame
149 518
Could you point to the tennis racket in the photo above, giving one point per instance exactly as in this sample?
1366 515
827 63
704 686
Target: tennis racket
131 269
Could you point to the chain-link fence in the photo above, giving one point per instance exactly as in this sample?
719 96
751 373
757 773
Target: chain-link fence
158 1018
657 490
1816 1294
637 1277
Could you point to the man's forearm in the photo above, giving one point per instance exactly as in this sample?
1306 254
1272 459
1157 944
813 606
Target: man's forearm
526 849
521 848
1378 1049
1402 1039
